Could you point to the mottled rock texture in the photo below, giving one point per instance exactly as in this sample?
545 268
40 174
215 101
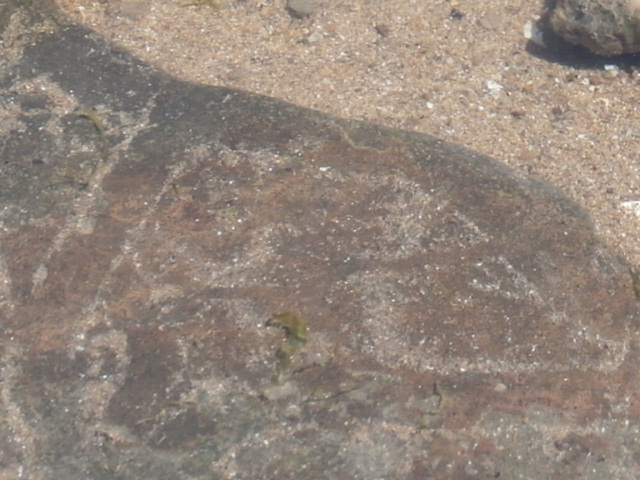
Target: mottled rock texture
605 27
460 322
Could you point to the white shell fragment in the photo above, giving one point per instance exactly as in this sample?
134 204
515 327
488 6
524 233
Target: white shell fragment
533 33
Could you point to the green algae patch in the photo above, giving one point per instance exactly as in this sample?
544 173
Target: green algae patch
296 335
99 126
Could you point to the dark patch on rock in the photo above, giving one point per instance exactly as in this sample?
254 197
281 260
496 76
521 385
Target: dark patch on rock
462 322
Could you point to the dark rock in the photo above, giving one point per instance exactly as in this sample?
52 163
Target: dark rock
605 27
462 322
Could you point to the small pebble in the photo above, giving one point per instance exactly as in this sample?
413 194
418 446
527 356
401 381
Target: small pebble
500 387
383 29
493 88
302 8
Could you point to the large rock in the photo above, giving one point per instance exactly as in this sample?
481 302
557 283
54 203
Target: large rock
605 27
461 322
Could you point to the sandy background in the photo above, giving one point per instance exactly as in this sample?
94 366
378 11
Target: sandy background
459 70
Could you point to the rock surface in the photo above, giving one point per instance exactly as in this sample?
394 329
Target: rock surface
605 27
462 322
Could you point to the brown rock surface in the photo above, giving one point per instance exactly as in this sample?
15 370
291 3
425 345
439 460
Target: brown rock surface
462 71
462 322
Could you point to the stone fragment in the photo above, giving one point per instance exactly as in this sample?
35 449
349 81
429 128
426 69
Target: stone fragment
302 8
605 27
439 316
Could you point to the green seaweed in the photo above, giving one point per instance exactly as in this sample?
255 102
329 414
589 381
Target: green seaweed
98 124
635 281
296 335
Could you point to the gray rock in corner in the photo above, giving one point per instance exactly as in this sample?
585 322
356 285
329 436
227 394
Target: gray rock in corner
604 27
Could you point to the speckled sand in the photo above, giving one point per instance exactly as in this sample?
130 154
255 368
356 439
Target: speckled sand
412 64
